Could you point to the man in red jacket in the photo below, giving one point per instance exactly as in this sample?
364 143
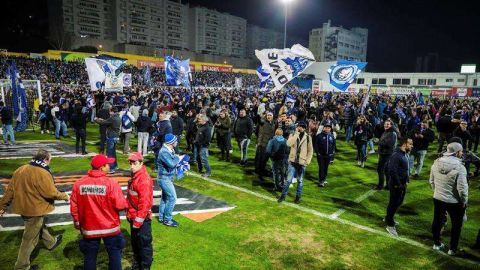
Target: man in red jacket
139 214
95 205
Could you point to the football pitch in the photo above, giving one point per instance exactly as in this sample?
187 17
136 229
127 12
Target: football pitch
336 227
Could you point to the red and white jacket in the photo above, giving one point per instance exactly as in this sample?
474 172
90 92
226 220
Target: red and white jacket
95 205
140 197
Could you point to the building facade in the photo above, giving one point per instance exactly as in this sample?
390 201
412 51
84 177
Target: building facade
260 38
331 43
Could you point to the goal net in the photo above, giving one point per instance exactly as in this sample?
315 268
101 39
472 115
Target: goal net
33 92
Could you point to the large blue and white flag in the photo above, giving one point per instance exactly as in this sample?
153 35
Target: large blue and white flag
104 71
285 64
177 71
182 166
19 98
344 72
265 78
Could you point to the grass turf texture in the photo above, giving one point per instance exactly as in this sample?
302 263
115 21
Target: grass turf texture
260 234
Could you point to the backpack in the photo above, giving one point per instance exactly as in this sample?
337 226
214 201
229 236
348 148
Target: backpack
280 153
126 121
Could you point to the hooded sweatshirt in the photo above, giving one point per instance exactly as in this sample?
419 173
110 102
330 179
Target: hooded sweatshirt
448 178
277 148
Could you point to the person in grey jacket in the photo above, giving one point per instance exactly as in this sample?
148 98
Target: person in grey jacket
448 178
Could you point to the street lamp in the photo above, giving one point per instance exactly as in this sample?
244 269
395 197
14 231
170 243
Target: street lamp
285 3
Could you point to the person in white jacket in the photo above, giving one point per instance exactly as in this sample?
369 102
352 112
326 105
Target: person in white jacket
128 121
448 178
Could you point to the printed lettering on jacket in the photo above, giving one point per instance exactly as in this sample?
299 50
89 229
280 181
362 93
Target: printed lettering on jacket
93 190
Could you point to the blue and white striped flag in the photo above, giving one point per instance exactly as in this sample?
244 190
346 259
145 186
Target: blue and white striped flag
177 72
365 101
19 98
182 166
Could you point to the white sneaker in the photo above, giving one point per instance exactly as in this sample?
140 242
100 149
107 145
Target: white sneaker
396 222
392 231
41 132
458 253
363 164
371 152
48 131
438 248
359 163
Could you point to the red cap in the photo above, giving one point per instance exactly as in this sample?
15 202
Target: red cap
135 156
101 160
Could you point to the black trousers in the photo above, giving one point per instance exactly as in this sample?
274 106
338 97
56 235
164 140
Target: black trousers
142 244
323 163
103 138
45 124
382 170
80 137
261 159
456 212
397 194
474 141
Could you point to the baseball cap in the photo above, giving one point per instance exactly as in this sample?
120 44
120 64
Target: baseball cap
135 156
453 148
101 160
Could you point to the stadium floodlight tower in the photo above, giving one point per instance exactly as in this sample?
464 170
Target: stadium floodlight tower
285 3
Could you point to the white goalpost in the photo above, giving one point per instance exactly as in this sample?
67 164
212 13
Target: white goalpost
33 91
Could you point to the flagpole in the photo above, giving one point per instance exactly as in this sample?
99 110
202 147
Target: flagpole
285 27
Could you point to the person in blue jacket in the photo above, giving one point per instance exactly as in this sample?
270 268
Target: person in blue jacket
166 164
325 144
277 150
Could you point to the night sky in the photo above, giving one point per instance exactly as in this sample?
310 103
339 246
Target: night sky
399 31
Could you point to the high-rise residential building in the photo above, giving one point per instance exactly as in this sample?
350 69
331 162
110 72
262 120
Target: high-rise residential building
213 32
261 38
331 43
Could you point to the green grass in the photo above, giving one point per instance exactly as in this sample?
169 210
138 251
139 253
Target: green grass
260 234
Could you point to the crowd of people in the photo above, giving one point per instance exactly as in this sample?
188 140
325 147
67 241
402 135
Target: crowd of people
287 132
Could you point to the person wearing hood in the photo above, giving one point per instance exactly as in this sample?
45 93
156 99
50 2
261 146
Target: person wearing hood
277 151
448 178
139 213
398 170
386 145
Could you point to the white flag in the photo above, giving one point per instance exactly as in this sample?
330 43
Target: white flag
285 64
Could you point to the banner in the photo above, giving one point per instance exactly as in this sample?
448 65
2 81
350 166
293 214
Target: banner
79 56
365 101
285 64
145 63
147 76
177 72
265 78
344 72
316 85
104 71
216 68
127 79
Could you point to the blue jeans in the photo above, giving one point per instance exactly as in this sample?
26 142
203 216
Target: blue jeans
294 171
169 197
203 159
112 151
8 132
60 125
348 132
370 144
195 153
362 152
114 245
419 157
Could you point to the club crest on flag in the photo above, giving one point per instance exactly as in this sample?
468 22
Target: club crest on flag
343 73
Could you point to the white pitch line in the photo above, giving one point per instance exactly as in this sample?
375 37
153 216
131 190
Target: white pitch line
326 216
357 200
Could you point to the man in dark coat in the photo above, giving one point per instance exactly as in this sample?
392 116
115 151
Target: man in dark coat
265 133
386 146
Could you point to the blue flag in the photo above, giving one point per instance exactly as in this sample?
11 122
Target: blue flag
19 98
147 76
265 78
344 72
182 166
177 71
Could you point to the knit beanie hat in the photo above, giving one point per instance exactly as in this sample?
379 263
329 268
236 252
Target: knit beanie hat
170 138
